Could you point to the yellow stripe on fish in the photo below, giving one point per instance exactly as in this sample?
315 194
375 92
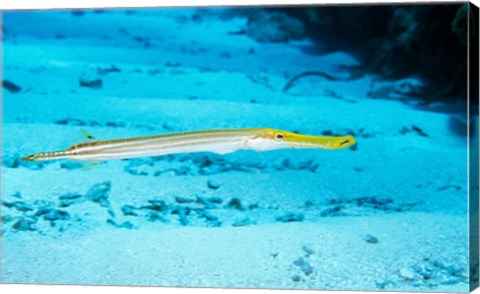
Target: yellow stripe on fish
216 141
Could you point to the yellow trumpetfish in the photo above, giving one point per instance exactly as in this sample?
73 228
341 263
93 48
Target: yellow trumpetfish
217 141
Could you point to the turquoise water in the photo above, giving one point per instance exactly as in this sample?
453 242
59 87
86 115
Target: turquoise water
388 213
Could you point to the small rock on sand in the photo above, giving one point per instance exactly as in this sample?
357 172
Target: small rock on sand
24 224
18 205
128 210
70 165
99 193
11 87
334 211
153 217
308 251
125 225
92 84
407 273
243 222
182 213
296 278
370 239
69 199
213 185
290 217
180 199
11 161
304 266
156 205
52 214
235 203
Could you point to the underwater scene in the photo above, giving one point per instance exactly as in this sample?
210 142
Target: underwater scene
295 147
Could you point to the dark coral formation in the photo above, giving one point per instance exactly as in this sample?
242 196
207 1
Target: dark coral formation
274 27
396 41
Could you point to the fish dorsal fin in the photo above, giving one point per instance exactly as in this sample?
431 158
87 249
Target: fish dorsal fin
84 135
87 135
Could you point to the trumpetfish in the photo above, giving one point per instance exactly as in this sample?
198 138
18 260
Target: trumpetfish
216 141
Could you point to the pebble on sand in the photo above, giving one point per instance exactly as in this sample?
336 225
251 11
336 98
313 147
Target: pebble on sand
296 278
92 84
52 214
24 224
243 222
18 205
69 199
128 210
11 87
125 225
308 251
304 266
156 205
213 185
154 216
407 273
180 199
99 193
235 203
290 217
370 239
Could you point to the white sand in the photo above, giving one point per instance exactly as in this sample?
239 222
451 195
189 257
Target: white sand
252 257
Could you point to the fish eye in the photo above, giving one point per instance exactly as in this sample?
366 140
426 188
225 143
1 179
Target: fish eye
278 136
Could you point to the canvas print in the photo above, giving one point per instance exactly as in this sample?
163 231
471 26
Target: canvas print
326 147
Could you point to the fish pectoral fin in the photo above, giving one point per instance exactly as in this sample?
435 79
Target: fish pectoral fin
224 150
91 165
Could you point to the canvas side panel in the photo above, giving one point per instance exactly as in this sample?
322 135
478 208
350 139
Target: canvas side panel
473 52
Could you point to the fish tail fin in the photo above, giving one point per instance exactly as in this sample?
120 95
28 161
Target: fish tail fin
44 156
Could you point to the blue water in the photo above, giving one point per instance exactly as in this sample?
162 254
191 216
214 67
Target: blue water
389 213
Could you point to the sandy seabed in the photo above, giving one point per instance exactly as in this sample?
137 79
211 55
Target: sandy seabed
390 213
